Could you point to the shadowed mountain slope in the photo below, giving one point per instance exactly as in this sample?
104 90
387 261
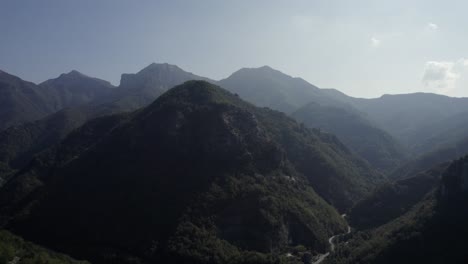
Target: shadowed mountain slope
85 98
433 231
23 101
199 175
360 135
268 87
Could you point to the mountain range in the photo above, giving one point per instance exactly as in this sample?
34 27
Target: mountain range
254 168
236 175
387 131
24 101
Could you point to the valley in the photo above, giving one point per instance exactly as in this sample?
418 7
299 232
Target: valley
206 171
233 132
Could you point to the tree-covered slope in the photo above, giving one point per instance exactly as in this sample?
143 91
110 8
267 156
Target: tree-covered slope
425 161
355 131
317 108
197 176
14 249
392 200
85 98
444 133
433 231
19 144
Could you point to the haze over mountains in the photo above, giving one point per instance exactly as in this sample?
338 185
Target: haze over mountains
255 168
215 157
24 101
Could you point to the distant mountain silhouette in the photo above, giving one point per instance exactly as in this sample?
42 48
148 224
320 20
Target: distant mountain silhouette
23 101
268 87
20 101
317 108
350 126
74 89
140 89
413 119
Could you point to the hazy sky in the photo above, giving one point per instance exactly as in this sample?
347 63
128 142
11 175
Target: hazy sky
363 48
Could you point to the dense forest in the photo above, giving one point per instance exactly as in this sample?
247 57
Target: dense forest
260 167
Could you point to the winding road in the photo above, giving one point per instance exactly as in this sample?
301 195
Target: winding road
322 257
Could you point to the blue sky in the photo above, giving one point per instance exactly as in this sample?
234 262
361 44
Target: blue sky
363 48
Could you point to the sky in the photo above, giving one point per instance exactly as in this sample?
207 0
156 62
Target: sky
364 48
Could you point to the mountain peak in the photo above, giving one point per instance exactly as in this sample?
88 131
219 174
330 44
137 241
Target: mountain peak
73 74
266 67
76 80
262 69
157 78
76 76
159 67
265 86
199 92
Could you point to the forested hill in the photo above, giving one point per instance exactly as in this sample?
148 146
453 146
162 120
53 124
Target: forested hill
432 231
238 177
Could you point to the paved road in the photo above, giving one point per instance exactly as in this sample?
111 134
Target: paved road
322 257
